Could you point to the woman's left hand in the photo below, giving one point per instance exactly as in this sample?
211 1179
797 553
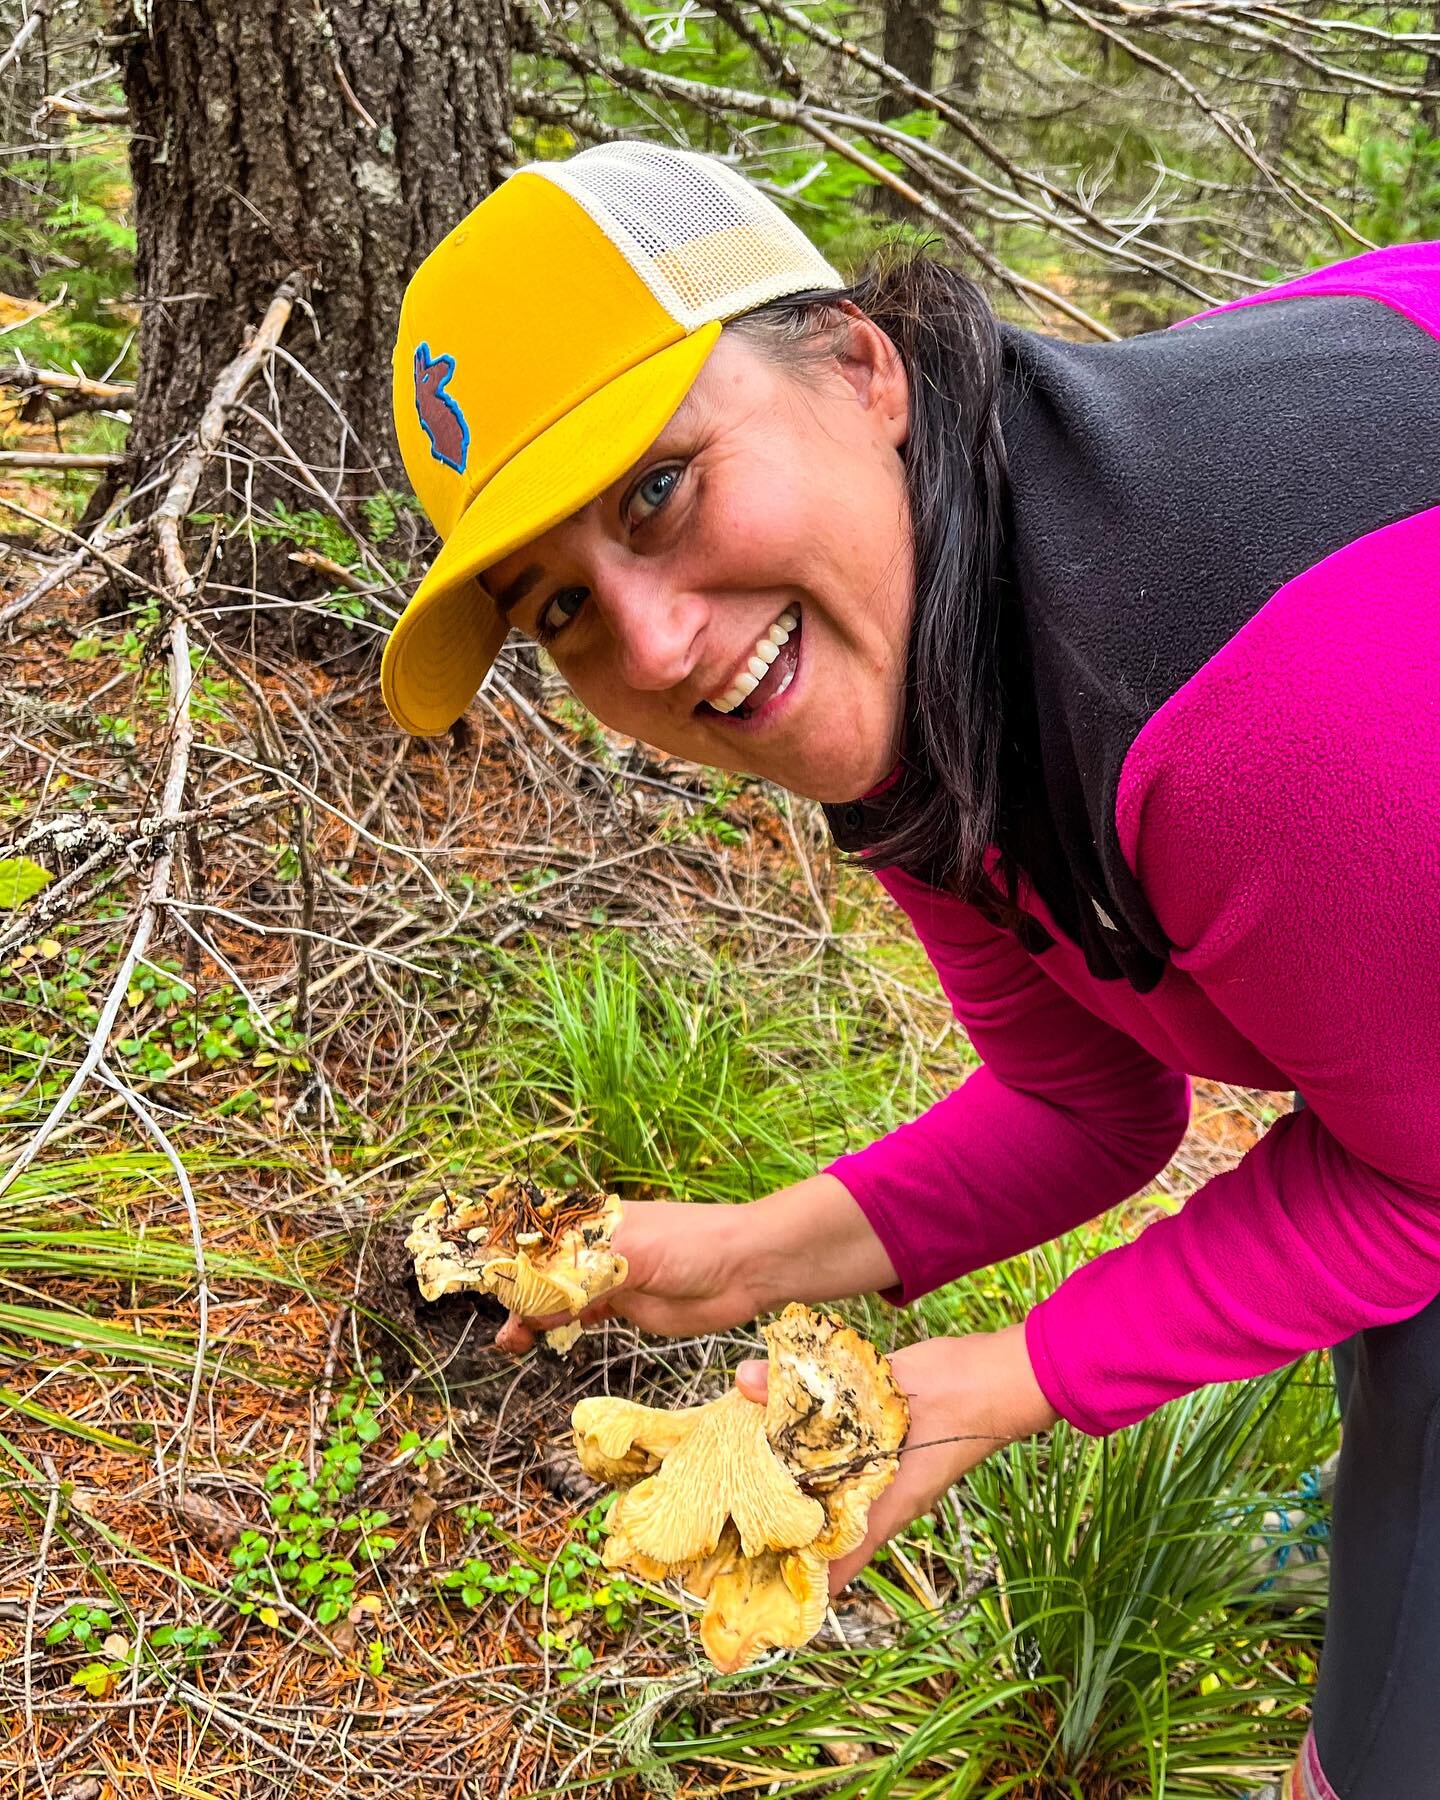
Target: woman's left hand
968 1396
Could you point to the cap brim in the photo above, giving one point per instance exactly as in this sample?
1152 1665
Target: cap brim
447 637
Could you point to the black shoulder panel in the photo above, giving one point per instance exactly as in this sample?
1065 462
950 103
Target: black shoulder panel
1162 489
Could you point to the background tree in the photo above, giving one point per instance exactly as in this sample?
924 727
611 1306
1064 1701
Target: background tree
335 141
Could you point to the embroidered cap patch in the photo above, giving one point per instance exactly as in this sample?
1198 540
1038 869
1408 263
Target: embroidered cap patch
440 416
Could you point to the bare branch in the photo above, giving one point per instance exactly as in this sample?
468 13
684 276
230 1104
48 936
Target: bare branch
23 36
59 459
60 381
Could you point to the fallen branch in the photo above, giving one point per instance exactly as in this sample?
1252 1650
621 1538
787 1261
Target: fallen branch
165 521
88 112
92 550
91 844
818 122
59 459
74 387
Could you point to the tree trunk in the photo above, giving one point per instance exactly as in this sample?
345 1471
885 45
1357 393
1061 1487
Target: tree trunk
1430 109
909 46
336 139
969 63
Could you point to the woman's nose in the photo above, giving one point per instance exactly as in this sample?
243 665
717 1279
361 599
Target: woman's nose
656 630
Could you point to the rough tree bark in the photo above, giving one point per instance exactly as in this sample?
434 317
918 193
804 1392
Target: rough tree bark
909 46
336 139
1430 109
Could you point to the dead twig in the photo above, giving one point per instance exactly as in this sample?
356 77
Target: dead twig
23 36
60 459
60 381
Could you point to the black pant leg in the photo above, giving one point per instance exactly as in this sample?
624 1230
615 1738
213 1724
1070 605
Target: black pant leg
1377 1706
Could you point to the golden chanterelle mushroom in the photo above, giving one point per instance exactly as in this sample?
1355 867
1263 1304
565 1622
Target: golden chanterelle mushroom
746 1505
537 1252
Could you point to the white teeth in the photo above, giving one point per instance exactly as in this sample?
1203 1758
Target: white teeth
764 653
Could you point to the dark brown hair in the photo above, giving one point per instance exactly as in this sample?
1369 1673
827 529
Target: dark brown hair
945 809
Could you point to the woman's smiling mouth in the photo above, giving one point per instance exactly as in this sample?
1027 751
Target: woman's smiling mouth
765 675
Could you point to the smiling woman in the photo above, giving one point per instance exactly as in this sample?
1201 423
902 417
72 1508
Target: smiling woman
1117 663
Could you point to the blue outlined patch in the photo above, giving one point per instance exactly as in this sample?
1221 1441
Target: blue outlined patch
440 416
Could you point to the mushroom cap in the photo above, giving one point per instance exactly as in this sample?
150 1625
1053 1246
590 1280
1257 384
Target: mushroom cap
619 1440
748 1505
536 1252
776 1600
832 1401
836 1415
722 1469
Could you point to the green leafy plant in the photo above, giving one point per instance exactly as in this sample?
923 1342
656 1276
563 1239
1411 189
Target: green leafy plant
77 232
47 993
20 880
82 1623
192 1641
308 1553
570 1588
710 819
1401 177
100 1679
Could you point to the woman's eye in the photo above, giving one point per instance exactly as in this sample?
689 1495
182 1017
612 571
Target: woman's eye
649 495
559 610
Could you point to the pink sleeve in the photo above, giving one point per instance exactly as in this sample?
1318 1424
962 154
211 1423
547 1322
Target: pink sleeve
1068 1115
1282 813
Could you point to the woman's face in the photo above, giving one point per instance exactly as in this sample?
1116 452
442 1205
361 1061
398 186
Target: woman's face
742 596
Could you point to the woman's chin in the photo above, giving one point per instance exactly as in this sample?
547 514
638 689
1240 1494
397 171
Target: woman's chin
832 776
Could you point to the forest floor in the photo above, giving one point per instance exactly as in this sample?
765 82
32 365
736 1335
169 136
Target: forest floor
278 1527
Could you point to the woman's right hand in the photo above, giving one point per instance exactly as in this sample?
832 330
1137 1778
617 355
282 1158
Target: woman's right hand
709 1266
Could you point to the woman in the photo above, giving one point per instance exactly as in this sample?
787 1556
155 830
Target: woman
1121 665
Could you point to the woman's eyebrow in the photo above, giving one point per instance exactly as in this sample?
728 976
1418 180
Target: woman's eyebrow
510 597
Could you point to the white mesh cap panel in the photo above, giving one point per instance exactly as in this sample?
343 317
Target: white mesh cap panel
706 243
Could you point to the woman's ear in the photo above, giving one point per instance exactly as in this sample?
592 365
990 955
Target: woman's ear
872 365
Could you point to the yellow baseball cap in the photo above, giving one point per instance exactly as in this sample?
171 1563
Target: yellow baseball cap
542 347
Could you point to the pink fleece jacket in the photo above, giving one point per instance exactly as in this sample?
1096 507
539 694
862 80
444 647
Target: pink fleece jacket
1300 888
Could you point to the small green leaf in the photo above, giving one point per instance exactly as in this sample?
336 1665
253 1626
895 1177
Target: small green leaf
96 1678
20 880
